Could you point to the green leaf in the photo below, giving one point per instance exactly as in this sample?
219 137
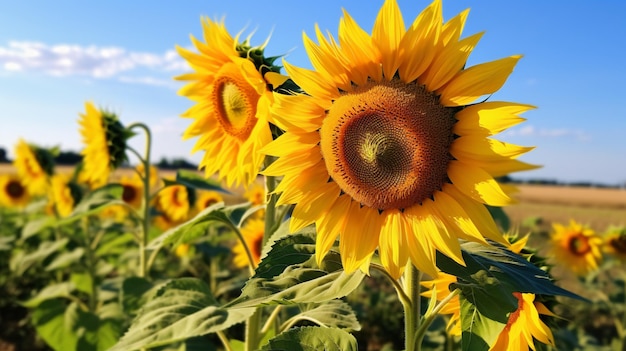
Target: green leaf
45 249
35 226
82 282
289 274
133 293
181 309
478 331
53 291
66 258
50 322
118 245
194 180
312 339
332 314
95 201
6 242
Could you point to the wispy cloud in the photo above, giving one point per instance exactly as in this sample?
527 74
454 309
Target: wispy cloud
99 62
531 131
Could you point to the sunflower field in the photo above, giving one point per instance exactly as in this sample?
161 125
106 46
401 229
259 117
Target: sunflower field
357 205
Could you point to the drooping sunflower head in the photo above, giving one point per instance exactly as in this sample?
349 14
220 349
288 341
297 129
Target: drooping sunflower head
614 243
231 86
252 232
35 165
208 198
64 194
388 148
133 190
105 140
13 192
576 247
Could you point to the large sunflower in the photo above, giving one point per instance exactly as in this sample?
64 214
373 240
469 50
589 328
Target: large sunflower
231 88
252 233
34 166
388 148
524 325
13 192
105 144
576 247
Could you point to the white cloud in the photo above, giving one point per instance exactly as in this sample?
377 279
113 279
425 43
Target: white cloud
531 131
92 61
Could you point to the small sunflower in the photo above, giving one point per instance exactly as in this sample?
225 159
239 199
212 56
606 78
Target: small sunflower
252 232
182 250
208 198
388 148
524 325
174 203
64 194
576 247
231 86
256 194
615 243
117 213
105 144
34 166
13 192
133 191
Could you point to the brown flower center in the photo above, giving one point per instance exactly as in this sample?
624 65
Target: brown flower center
15 189
235 102
579 245
387 144
210 202
619 244
130 193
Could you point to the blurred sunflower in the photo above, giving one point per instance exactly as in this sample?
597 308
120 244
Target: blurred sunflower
13 192
174 203
256 194
154 174
524 325
615 243
182 250
34 166
208 198
133 190
252 232
64 194
105 144
231 86
576 247
388 147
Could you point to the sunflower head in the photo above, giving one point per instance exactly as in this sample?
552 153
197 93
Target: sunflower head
64 194
576 247
614 243
208 198
252 232
174 202
133 190
13 192
388 148
232 87
35 165
105 141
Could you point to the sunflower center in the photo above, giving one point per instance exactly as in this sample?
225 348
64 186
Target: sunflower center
387 144
579 245
235 102
619 244
129 194
209 202
15 189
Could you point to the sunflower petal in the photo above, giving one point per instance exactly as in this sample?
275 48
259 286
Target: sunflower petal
387 34
330 225
477 184
489 118
359 238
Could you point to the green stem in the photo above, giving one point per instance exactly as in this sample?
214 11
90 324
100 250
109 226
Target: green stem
404 299
431 315
143 242
253 337
412 310
91 263
224 340
251 263
270 320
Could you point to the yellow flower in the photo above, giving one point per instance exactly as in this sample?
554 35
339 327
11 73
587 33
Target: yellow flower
524 325
133 191
63 195
173 203
13 192
252 232
615 243
576 247
256 194
232 99
182 250
388 148
207 198
105 144
117 213
32 169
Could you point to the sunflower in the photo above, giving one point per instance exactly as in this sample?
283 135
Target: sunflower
174 203
154 174
208 198
64 194
34 166
133 190
252 232
231 87
615 243
524 325
105 144
388 147
256 194
13 192
576 247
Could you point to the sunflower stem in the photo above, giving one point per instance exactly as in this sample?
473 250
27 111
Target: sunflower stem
143 242
412 310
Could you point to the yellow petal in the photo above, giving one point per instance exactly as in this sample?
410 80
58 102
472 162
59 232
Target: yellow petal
393 247
477 184
387 34
313 83
302 112
359 238
488 118
313 205
330 225
472 147
357 45
449 62
326 63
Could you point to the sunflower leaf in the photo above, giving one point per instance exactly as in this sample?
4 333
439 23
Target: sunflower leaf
478 331
95 201
333 314
312 339
46 249
194 180
181 309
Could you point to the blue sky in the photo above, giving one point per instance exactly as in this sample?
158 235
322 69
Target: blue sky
55 55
